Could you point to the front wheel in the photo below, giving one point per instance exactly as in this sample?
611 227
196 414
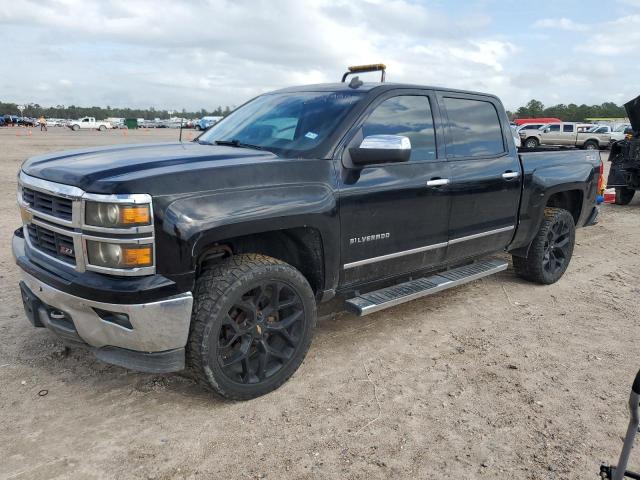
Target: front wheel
624 195
531 143
551 249
251 327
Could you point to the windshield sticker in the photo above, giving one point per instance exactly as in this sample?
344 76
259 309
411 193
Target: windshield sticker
311 135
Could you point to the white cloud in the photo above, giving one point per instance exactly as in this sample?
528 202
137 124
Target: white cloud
204 53
615 38
561 23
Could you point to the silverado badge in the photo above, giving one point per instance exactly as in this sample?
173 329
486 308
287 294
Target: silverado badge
369 238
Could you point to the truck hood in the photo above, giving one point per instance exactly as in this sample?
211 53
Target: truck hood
633 112
97 169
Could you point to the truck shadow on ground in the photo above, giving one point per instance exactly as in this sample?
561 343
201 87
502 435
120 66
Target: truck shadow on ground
58 366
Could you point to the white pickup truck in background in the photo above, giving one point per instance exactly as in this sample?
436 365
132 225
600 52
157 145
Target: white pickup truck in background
88 123
565 134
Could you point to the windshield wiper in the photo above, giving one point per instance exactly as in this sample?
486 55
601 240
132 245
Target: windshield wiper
238 144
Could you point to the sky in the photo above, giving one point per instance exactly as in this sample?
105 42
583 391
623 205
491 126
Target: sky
194 54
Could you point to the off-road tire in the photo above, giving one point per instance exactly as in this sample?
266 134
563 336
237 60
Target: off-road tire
217 289
531 142
532 268
624 195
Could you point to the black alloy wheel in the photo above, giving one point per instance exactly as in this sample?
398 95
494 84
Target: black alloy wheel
550 251
251 327
260 333
557 248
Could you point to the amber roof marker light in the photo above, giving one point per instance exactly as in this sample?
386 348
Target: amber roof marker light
374 67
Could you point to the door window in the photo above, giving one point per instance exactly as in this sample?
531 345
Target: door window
567 128
409 116
474 128
553 128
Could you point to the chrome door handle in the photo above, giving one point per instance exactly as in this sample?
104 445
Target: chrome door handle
510 175
438 182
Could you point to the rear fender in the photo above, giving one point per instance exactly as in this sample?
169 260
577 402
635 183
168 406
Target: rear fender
541 185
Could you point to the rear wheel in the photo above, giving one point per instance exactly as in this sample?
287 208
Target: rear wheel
531 142
591 145
102 128
251 327
551 250
624 195
75 128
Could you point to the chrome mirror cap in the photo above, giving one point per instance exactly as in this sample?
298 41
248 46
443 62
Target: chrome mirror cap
386 142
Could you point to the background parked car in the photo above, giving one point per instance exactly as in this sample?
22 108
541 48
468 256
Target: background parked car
618 132
206 122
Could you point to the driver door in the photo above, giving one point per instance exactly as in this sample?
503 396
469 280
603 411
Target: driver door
394 216
551 135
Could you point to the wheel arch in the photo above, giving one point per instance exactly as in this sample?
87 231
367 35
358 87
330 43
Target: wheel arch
570 200
300 247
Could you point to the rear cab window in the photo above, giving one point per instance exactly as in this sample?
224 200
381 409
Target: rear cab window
474 128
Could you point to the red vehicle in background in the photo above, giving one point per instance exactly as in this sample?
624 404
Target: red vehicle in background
545 120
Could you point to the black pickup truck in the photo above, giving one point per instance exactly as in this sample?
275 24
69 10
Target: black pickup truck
217 256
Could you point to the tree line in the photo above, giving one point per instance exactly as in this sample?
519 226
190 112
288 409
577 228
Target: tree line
534 108
570 112
73 111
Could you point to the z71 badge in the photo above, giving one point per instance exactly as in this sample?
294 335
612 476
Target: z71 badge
369 238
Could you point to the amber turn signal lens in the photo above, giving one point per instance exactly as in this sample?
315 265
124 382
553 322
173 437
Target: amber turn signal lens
135 215
137 257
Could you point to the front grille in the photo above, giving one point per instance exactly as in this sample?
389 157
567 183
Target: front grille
52 243
47 203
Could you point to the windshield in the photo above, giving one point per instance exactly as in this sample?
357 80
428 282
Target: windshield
287 124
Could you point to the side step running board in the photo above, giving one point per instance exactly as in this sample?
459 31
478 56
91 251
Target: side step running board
404 292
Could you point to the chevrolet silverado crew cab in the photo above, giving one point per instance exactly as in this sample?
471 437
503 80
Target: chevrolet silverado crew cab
218 255
565 134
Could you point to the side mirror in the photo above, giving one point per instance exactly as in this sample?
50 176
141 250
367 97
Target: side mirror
381 149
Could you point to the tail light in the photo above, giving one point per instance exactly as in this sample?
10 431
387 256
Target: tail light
601 179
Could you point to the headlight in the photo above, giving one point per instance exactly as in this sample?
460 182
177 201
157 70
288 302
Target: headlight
116 215
119 255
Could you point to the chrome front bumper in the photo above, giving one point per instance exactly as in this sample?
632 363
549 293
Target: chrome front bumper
156 327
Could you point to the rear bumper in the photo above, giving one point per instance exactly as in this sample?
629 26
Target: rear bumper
131 335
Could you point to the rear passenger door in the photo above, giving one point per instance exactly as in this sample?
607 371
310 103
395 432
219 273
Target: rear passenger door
485 175
568 135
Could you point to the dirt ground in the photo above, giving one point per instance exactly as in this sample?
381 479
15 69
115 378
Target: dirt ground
495 379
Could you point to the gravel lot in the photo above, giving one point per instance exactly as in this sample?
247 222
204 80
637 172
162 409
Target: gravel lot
496 379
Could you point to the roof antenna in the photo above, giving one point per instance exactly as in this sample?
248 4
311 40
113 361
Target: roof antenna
355 82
